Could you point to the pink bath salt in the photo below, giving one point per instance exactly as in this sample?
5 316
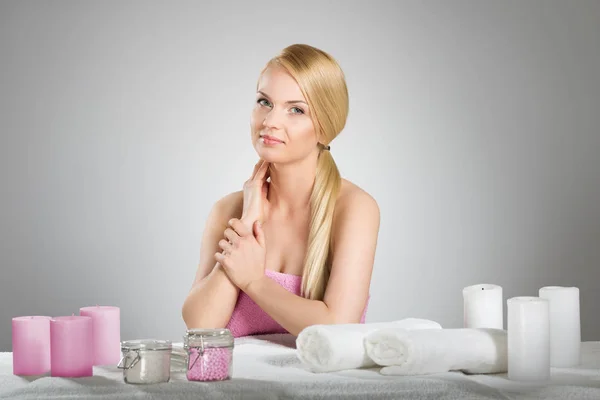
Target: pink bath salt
213 365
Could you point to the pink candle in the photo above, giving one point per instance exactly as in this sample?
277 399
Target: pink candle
71 350
106 323
31 345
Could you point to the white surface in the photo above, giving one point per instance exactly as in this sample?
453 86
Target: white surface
270 369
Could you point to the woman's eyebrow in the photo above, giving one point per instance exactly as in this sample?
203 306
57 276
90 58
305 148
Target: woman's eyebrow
287 102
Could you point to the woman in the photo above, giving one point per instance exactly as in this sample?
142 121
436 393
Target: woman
296 246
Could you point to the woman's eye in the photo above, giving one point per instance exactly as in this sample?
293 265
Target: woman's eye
261 100
265 102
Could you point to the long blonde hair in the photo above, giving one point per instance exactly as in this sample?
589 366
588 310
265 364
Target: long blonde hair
323 84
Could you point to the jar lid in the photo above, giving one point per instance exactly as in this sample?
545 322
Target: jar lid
146 344
209 332
208 337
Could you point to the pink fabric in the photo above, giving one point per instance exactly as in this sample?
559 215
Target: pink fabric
249 319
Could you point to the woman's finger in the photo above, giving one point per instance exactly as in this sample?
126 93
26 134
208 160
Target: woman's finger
232 236
262 171
221 259
256 168
225 245
239 227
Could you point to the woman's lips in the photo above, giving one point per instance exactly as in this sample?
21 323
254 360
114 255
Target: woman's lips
270 140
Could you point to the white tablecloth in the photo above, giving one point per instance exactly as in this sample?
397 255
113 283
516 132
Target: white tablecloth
266 367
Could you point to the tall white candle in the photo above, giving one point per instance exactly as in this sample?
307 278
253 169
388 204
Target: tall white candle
528 339
565 325
483 306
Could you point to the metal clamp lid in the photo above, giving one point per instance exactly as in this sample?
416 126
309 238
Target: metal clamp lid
122 363
219 332
208 338
146 344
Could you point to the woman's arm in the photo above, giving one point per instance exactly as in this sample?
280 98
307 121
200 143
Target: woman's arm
354 234
212 298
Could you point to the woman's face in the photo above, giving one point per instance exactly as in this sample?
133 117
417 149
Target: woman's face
281 124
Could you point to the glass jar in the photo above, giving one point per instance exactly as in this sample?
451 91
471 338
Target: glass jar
210 354
179 359
146 361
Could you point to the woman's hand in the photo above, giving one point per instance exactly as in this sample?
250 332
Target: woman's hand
243 255
256 205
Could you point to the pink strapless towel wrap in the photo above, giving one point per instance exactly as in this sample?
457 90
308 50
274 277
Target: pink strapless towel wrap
249 319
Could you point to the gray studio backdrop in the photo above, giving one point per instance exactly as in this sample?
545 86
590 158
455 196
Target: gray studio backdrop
475 125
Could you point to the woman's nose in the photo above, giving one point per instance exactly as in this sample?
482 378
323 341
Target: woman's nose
272 119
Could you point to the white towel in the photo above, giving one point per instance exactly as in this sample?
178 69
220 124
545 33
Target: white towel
327 348
418 352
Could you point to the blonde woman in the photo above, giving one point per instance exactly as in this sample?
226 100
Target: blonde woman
296 246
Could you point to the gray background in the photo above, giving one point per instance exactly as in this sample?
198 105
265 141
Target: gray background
474 124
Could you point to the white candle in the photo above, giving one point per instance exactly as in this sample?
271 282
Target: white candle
483 306
565 325
528 339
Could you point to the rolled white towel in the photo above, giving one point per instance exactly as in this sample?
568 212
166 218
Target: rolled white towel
418 352
327 348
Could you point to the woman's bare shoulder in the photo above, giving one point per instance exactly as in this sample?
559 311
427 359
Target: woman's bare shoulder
355 227
354 203
352 196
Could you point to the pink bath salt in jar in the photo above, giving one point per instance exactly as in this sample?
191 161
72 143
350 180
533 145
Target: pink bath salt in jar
210 354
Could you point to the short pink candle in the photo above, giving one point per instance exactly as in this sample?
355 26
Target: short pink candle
106 323
31 345
71 350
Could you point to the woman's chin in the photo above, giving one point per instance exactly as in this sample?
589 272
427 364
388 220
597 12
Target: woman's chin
268 154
